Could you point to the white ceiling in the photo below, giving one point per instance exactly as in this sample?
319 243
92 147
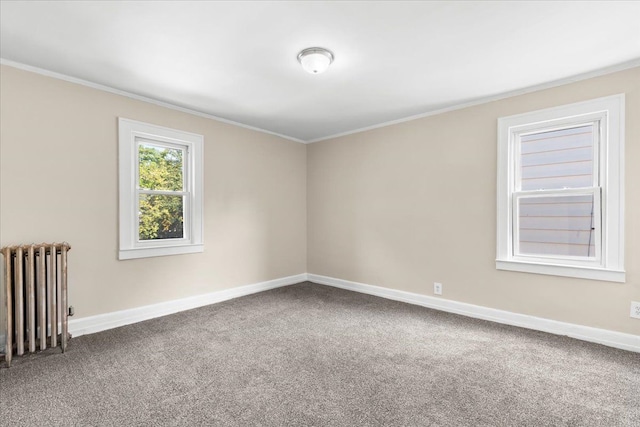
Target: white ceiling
237 60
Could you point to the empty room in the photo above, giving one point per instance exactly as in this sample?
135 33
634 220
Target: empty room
319 213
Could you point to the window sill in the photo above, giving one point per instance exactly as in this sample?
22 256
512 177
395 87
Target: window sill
563 270
159 251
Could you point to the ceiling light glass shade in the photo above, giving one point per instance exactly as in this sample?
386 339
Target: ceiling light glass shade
315 60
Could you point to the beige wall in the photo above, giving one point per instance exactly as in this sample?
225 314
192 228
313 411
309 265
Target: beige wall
401 206
406 205
59 180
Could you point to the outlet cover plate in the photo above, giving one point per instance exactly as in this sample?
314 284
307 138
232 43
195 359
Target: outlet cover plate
635 309
437 288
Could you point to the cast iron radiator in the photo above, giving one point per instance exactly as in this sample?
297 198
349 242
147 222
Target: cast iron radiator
35 282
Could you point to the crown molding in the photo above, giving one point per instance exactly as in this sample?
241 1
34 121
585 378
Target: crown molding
137 97
485 100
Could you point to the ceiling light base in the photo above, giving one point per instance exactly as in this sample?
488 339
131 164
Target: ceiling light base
315 60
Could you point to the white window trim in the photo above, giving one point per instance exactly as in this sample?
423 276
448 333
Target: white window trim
130 247
610 266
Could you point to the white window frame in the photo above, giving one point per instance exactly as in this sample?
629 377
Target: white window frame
608 189
131 133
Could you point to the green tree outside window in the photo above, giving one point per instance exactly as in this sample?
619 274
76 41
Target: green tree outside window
161 216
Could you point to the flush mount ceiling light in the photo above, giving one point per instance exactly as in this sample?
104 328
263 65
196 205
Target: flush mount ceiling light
315 60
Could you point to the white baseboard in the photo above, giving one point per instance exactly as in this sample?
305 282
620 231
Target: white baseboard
601 336
101 322
92 324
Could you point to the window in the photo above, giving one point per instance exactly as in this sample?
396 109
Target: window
560 191
160 191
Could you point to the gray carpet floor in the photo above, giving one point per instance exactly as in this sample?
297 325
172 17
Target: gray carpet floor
311 355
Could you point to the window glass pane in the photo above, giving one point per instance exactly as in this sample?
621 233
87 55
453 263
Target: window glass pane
161 217
557 159
557 226
160 168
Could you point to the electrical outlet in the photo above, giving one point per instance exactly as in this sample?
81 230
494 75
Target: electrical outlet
437 288
635 309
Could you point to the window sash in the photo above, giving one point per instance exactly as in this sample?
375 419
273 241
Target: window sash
167 145
517 255
187 194
186 224
515 142
595 120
